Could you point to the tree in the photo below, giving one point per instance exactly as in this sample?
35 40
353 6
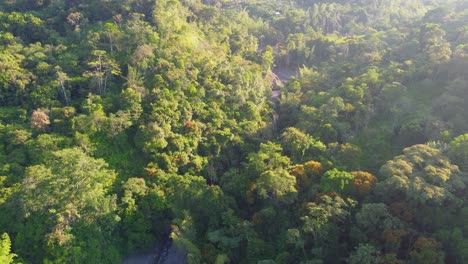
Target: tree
135 80
95 120
113 33
458 151
426 250
450 105
62 78
455 243
130 100
314 221
373 219
348 155
39 120
277 184
41 147
143 212
434 44
13 77
102 68
364 254
73 19
68 196
336 181
363 183
321 219
268 157
423 180
422 176
300 145
6 256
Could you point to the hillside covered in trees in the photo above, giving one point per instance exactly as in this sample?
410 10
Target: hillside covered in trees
243 131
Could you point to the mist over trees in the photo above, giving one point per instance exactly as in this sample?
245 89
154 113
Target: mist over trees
320 131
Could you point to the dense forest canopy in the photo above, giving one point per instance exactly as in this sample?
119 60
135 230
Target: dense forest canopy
263 131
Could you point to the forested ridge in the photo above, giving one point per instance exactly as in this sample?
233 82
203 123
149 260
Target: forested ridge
262 131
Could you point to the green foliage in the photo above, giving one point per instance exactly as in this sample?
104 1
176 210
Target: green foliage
71 188
143 212
336 181
422 176
269 157
454 244
82 181
277 184
300 145
364 253
126 123
5 249
458 151
373 219
426 250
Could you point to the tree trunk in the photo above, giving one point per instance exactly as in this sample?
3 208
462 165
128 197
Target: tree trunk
62 84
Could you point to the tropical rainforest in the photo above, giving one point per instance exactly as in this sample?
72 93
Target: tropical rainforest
259 131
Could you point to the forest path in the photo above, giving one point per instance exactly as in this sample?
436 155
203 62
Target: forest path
165 252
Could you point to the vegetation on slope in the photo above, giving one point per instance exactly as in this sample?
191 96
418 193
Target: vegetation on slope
121 120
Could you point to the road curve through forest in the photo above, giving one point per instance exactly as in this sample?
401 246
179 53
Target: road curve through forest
165 252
